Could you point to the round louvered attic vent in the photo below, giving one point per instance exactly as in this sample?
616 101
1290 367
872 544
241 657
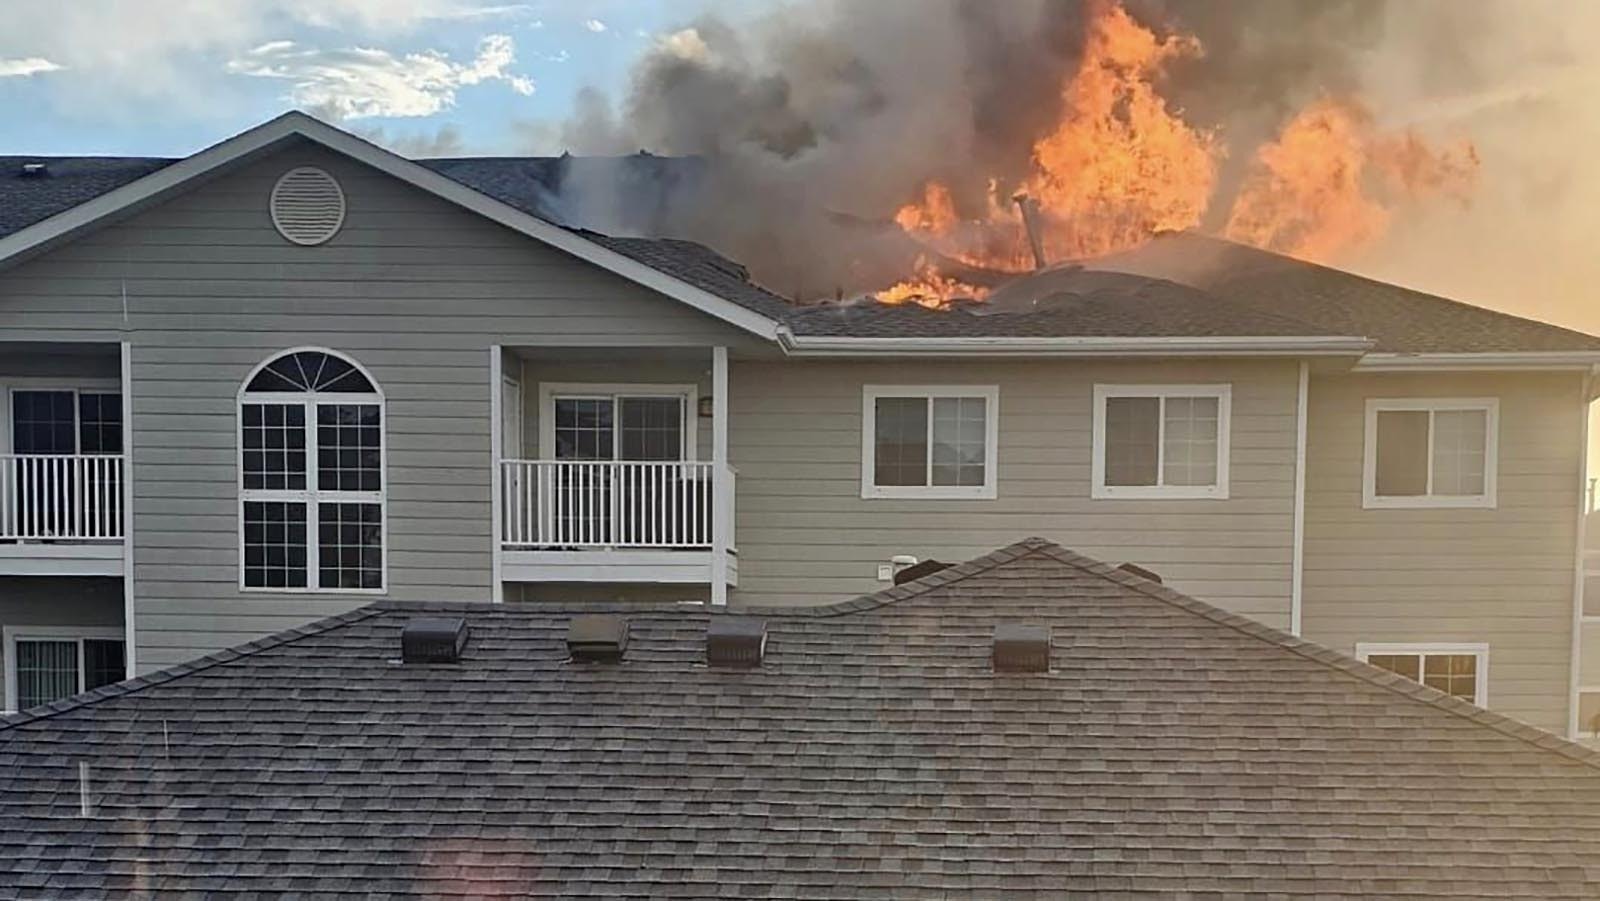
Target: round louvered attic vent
307 205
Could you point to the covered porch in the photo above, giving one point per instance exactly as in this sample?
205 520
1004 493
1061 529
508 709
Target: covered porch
612 467
63 458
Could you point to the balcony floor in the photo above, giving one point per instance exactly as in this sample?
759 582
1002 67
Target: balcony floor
637 565
35 558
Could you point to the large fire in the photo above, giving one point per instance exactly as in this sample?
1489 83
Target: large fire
1122 165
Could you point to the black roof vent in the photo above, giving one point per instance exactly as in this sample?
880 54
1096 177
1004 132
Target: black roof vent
34 170
1141 572
1021 648
918 570
597 638
735 641
433 639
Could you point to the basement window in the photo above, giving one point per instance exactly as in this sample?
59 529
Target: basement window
929 441
1161 441
1431 452
1458 670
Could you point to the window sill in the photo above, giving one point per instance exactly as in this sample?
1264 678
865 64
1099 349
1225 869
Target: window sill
1477 502
1157 493
951 493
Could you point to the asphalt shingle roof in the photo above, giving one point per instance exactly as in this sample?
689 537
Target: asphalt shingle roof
1189 285
1173 750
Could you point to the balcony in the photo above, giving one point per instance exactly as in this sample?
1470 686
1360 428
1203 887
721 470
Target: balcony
61 514
612 521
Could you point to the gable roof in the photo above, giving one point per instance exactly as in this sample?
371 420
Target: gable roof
1185 293
1172 749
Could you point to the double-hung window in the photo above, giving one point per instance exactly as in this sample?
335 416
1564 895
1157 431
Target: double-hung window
1458 670
1161 441
929 441
311 471
45 664
1431 452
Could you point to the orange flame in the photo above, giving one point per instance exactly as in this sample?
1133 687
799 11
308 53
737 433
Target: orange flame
1121 166
1328 183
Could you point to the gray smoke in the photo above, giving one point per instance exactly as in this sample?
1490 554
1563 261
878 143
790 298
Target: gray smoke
810 127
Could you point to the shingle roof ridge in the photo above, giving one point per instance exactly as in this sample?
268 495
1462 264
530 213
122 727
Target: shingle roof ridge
1328 657
168 674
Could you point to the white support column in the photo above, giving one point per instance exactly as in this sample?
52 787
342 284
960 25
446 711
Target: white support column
1579 567
719 476
496 489
130 646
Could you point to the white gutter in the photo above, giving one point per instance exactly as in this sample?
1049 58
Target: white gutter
1069 346
1297 573
1466 362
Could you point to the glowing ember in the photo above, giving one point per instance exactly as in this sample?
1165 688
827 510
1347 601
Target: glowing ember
1121 166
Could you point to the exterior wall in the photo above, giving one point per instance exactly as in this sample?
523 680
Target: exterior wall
413 287
1502 576
58 601
805 535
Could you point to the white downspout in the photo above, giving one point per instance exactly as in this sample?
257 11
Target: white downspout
496 491
1297 576
130 646
719 476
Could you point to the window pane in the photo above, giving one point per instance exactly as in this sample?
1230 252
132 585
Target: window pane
1453 674
901 441
47 670
959 429
652 428
103 662
1408 665
1460 439
348 452
100 423
274 544
1132 430
274 438
584 428
1190 437
42 422
1402 464
350 545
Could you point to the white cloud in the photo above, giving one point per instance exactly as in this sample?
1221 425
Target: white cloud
594 25
26 66
361 82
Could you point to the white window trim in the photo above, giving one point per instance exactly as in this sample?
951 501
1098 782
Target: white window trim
1480 650
1101 491
1371 500
991 443
12 634
549 392
311 496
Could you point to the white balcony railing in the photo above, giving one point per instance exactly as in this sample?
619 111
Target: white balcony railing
607 504
71 497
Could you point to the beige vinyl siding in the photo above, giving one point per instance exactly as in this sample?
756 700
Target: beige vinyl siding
1502 576
805 535
415 289
58 601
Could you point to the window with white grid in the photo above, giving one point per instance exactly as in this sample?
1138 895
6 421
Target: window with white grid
1458 670
1161 441
311 476
929 441
1430 452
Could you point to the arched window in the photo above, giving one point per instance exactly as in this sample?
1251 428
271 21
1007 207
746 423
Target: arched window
311 475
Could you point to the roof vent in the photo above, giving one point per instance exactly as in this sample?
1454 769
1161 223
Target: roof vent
34 170
433 639
1021 648
735 641
597 638
1137 570
307 206
918 570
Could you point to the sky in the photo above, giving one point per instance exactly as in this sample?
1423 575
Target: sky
427 77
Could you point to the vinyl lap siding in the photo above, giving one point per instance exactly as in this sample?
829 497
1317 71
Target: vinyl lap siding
412 287
1502 576
805 535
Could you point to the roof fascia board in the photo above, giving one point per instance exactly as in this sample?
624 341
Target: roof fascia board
1469 362
1205 346
67 223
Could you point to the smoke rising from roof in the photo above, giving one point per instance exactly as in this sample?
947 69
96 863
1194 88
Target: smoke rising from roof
815 123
